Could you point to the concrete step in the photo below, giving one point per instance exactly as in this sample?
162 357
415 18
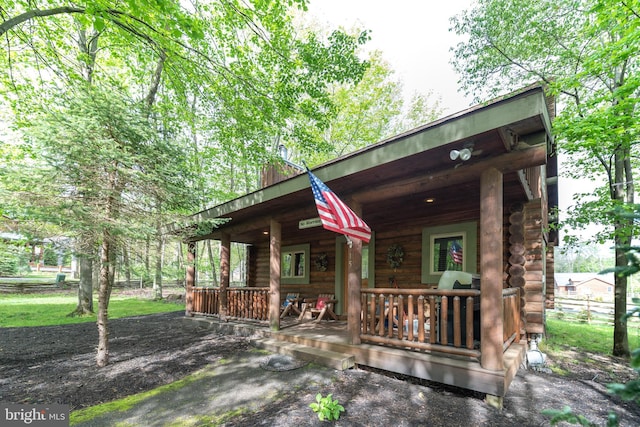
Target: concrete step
331 359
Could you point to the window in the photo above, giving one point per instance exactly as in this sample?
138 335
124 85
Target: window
365 262
450 247
294 264
448 252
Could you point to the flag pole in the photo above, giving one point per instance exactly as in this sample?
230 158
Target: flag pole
349 241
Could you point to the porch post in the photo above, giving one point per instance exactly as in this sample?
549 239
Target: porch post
191 277
225 258
353 288
275 242
491 268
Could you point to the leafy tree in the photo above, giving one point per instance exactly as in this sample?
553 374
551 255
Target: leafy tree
370 112
587 258
586 52
101 154
125 106
629 391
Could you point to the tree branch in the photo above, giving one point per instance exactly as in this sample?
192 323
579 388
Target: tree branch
36 13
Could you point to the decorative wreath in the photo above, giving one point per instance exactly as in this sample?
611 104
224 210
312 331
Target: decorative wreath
322 262
395 256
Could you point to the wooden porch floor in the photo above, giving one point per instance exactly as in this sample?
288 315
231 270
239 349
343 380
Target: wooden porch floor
444 369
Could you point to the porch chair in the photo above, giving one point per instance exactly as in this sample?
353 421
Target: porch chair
290 305
320 307
458 280
449 278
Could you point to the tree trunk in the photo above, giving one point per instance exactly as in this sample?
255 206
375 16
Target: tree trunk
102 357
147 270
85 288
127 265
622 232
157 282
212 262
112 266
180 262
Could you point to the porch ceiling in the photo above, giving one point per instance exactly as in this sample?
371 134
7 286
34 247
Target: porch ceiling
396 175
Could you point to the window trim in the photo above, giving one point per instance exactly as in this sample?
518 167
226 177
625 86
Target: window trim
292 280
469 233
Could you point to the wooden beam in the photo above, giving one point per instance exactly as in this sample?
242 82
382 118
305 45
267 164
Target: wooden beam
491 265
225 262
509 162
275 244
354 285
191 277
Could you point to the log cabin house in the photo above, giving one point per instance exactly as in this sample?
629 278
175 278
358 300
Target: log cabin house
482 181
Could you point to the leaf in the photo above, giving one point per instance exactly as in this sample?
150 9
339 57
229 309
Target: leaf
98 23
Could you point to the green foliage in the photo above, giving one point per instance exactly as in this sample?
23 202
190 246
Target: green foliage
582 258
631 390
587 52
567 415
13 259
326 407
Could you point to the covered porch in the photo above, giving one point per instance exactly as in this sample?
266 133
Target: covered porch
428 334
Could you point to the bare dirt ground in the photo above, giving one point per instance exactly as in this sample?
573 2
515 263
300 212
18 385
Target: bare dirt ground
57 365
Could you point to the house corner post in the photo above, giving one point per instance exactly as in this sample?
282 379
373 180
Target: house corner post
225 262
354 285
491 267
275 243
190 278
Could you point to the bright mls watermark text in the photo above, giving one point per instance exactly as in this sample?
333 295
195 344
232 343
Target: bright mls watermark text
34 415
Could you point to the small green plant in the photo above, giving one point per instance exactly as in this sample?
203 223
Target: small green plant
326 407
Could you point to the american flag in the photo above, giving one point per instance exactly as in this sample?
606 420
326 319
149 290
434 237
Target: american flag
334 214
456 252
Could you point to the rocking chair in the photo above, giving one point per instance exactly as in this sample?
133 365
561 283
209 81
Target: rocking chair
320 307
290 305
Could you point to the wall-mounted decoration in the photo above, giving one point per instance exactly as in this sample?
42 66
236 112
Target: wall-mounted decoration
395 256
322 262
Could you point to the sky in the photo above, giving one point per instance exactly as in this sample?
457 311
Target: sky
413 36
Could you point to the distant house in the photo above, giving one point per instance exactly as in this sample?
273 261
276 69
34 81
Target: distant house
593 285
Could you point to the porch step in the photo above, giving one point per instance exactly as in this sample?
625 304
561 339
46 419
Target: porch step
331 359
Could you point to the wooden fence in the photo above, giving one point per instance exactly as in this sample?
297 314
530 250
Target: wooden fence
585 310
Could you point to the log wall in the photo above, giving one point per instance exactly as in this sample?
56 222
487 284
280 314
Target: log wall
535 265
407 234
550 287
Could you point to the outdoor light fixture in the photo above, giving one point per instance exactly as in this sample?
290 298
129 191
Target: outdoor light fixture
464 154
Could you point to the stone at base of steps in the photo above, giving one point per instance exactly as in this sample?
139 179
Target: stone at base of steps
327 358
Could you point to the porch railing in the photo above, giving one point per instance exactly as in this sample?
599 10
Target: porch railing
432 320
242 303
511 321
248 303
206 301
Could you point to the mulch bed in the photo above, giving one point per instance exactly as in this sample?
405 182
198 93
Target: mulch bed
56 364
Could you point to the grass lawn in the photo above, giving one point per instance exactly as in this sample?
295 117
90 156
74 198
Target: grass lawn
18 310
593 338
